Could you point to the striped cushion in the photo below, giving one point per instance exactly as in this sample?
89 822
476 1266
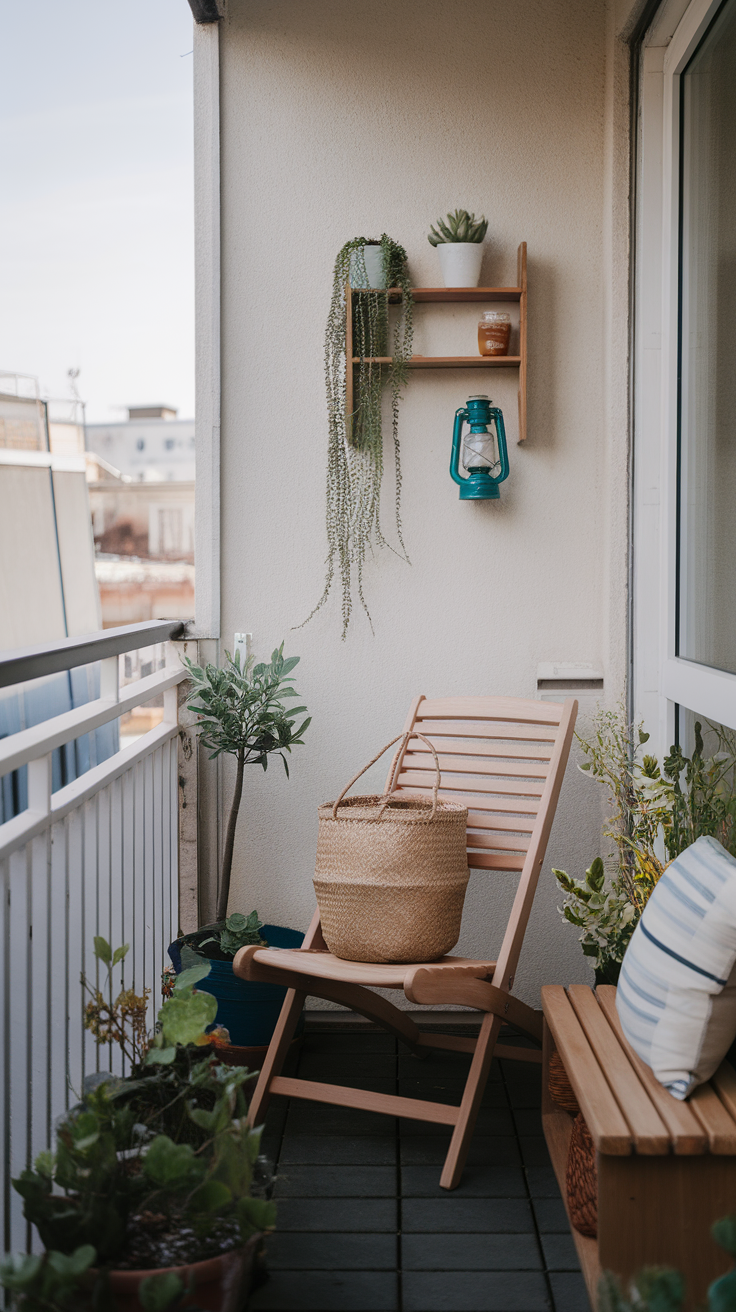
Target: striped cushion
677 991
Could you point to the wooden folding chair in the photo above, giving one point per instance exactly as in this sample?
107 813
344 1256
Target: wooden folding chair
504 759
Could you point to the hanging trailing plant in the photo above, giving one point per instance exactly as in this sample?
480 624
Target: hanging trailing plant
355 440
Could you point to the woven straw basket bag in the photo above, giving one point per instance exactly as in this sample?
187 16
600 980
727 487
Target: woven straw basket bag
391 872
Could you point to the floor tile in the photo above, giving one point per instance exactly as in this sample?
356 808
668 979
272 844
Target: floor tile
318 1118
560 1253
491 1120
475 1291
534 1150
470 1252
327 1150
488 1151
335 1182
476 1182
466 1215
542 1182
360 1215
551 1216
331 1252
330 1291
569 1293
331 1068
528 1120
358 1042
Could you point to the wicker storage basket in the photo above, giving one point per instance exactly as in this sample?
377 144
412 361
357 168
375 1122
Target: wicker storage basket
582 1180
391 872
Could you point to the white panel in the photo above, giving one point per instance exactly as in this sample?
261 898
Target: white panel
77 552
31 608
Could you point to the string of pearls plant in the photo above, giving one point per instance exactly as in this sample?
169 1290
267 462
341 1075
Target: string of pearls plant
355 457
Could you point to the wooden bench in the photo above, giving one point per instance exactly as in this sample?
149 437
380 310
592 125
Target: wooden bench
666 1169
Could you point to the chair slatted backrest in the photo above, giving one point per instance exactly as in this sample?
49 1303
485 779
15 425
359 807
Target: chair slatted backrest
503 758
495 755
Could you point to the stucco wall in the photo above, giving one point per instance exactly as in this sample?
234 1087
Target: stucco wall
344 119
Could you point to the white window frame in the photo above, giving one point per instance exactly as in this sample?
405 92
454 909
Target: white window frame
663 680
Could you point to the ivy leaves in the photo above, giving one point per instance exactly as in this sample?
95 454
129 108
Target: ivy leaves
355 441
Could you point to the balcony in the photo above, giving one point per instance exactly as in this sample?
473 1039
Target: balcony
112 851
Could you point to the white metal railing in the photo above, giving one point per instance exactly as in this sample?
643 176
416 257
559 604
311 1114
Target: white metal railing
98 856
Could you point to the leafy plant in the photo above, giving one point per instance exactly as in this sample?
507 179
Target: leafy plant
242 711
139 1160
46 1284
658 813
355 441
239 932
120 1020
460 226
662 1289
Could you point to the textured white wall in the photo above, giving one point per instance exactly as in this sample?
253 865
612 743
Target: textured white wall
345 119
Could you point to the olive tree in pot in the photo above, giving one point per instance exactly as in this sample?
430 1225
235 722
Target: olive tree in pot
244 711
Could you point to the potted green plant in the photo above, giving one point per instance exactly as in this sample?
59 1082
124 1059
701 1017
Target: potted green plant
659 811
146 1201
244 711
458 241
363 274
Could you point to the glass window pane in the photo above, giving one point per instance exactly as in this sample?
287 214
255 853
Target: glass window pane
707 462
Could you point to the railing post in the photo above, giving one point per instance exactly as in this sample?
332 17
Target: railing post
39 785
110 679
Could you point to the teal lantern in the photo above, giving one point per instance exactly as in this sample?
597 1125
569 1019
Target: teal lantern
481 450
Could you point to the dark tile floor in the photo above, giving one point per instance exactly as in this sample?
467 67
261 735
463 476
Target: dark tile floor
363 1225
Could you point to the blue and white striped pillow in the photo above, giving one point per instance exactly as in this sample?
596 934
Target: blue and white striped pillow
677 991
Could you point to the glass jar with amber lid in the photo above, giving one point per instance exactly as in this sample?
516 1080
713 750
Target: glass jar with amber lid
494 332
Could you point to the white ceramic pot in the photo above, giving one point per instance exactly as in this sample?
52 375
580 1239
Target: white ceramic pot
373 256
461 261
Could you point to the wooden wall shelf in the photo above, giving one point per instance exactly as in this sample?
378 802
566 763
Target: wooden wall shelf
456 295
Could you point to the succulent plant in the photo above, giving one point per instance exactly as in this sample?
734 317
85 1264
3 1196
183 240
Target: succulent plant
460 226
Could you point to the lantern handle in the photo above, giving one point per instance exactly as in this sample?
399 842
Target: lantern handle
461 416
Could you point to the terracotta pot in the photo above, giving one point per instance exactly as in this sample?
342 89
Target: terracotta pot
221 1284
230 1054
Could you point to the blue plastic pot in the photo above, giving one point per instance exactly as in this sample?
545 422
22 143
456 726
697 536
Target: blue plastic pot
248 1011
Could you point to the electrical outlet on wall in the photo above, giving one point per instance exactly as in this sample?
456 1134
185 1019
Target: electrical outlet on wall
244 644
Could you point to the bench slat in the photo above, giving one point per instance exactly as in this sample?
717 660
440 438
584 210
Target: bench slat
608 1128
724 1082
651 1137
686 1132
715 1120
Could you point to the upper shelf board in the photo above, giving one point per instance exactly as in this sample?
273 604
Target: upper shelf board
451 293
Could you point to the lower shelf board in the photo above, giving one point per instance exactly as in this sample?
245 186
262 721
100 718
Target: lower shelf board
450 361
557 1132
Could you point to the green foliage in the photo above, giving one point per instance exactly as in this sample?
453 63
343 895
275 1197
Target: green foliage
121 1019
658 813
460 226
606 916
241 710
355 441
49 1283
662 1289
245 712
161 1292
239 932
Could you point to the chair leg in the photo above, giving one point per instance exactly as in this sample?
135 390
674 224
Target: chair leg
471 1100
276 1055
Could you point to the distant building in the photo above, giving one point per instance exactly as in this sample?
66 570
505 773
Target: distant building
148 520
151 445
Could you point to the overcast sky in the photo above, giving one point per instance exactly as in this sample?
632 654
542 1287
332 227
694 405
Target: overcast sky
96 232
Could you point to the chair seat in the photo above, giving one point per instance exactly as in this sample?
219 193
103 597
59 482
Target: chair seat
321 964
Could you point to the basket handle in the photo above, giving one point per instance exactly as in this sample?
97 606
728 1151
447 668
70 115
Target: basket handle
404 738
